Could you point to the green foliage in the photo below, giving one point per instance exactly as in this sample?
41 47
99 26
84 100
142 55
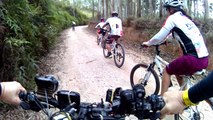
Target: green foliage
31 27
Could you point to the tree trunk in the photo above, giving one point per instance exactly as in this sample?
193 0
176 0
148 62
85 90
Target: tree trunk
206 13
93 9
113 5
138 8
107 8
189 3
161 9
129 9
102 4
120 7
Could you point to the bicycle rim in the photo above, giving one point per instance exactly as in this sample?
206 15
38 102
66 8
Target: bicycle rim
190 113
119 55
105 51
98 40
137 75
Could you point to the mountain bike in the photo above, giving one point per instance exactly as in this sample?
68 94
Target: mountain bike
101 37
117 51
117 106
146 75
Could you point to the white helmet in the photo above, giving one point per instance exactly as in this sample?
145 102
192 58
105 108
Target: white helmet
173 3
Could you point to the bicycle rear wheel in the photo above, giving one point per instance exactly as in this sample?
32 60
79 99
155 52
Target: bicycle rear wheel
98 40
142 74
119 55
105 51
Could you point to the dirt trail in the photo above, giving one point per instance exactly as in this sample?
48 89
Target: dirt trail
83 68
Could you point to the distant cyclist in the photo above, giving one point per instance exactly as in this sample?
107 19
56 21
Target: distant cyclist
116 30
99 27
73 25
195 53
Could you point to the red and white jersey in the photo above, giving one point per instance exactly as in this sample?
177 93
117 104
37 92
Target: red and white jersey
115 26
186 32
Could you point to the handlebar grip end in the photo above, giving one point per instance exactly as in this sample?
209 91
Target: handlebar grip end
22 95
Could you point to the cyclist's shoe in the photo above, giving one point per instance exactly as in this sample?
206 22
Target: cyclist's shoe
109 55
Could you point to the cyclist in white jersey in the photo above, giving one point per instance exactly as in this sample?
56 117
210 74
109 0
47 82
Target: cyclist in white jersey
99 26
115 25
195 53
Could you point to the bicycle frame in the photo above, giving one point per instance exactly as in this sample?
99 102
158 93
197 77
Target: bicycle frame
188 80
159 61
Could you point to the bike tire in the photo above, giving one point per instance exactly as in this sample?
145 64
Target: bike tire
196 115
103 43
105 51
98 40
192 112
139 71
119 55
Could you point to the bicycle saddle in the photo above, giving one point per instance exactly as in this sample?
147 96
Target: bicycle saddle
201 72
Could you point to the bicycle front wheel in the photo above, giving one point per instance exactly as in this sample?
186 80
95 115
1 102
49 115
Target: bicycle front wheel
142 74
119 55
190 113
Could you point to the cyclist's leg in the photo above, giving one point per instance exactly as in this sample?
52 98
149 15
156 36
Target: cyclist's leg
108 44
180 66
179 79
165 82
184 65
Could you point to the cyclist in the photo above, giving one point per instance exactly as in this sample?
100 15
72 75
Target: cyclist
195 53
177 101
115 25
99 26
9 92
73 25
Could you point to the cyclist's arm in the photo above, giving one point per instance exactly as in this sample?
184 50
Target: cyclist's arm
163 33
176 101
105 25
202 90
97 26
159 37
9 92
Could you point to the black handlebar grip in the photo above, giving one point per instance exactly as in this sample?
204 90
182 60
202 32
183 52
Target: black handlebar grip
23 98
22 95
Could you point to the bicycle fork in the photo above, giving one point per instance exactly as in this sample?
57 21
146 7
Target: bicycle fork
148 73
194 113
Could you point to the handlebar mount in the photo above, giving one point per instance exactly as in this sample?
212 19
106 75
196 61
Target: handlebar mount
117 106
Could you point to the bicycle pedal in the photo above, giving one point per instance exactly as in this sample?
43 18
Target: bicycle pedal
110 57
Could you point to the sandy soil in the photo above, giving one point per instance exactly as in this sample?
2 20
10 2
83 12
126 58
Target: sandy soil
84 69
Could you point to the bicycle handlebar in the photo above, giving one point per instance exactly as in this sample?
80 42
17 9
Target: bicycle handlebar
118 104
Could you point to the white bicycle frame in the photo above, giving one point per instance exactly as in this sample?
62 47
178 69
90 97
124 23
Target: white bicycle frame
187 79
159 61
